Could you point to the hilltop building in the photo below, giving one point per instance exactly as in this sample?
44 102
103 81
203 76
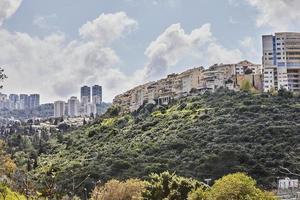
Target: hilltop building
281 61
194 80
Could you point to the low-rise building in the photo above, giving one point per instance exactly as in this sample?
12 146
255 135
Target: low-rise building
163 91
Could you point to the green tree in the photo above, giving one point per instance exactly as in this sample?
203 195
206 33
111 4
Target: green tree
169 186
238 186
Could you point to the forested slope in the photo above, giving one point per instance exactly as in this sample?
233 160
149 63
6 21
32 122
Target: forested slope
206 136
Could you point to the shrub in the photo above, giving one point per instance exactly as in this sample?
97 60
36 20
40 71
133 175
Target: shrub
114 189
237 186
169 186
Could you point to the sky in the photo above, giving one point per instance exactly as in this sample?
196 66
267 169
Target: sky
53 47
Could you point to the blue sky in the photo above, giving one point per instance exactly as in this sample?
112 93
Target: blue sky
54 46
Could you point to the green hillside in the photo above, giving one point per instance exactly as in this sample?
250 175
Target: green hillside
205 136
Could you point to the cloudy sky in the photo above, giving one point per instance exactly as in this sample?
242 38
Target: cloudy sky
52 47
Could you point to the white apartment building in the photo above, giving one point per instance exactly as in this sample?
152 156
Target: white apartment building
73 107
281 61
288 183
59 109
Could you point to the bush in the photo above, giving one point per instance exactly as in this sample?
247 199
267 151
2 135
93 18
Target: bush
169 186
237 186
114 189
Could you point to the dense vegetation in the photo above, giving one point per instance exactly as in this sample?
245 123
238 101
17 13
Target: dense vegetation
205 136
166 186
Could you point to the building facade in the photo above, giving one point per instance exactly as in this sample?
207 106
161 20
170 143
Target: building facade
59 109
85 94
197 80
73 107
281 61
97 94
24 101
34 100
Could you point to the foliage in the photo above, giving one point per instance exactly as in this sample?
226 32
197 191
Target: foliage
2 76
205 136
169 186
198 194
237 187
128 190
7 194
7 165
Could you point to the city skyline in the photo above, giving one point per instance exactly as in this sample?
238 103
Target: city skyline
118 46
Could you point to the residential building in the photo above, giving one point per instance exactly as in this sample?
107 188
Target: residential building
281 61
24 101
73 107
59 109
34 100
192 81
85 93
97 94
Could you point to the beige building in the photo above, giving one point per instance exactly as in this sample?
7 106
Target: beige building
198 79
281 61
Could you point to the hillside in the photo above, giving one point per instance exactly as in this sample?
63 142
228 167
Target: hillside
205 136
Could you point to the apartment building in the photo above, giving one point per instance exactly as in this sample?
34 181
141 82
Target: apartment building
281 61
59 109
163 91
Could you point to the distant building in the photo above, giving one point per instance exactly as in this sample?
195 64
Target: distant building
14 101
73 107
14 98
97 94
34 100
24 102
85 93
281 61
59 109
189 82
91 108
288 183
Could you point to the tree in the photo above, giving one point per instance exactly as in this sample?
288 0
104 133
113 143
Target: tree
2 76
282 92
3 191
114 189
198 194
7 165
237 186
169 186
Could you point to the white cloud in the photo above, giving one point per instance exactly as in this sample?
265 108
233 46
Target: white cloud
60 67
8 8
174 45
108 27
281 15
